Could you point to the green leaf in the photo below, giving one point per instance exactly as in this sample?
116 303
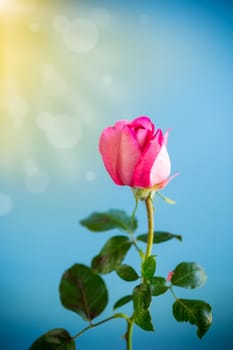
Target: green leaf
143 320
188 275
148 267
55 339
122 301
159 237
127 273
141 297
111 255
83 291
99 222
141 303
195 312
158 285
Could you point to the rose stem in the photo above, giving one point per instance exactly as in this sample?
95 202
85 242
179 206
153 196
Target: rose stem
129 334
150 217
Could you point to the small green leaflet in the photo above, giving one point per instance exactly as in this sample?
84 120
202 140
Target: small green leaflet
159 237
148 267
122 301
158 285
141 303
188 275
127 272
114 218
111 255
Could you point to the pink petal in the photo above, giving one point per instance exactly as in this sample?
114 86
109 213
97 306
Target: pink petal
142 174
128 155
161 168
108 147
166 136
142 136
164 183
143 122
120 152
143 130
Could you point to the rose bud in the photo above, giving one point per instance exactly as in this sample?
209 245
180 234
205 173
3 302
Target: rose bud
135 154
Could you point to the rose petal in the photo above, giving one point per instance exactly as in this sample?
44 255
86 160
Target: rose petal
128 155
144 122
161 168
164 183
142 174
109 146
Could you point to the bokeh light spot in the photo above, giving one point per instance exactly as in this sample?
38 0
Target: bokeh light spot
58 85
65 133
81 36
6 204
30 167
37 181
62 131
54 81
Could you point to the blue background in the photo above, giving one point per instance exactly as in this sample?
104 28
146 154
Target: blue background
170 60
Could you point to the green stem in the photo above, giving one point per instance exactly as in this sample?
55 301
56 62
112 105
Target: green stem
139 250
129 333
173 293
93 325
150 217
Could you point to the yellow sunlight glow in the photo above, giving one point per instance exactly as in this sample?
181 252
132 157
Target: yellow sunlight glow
4 4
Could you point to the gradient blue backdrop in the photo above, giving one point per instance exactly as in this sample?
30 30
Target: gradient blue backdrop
170 60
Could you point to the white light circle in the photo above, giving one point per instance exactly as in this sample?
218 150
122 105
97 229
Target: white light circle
37 181
81 36
64 132
6 204
58 85
30 167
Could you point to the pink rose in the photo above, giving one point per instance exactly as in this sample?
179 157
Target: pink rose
135 154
